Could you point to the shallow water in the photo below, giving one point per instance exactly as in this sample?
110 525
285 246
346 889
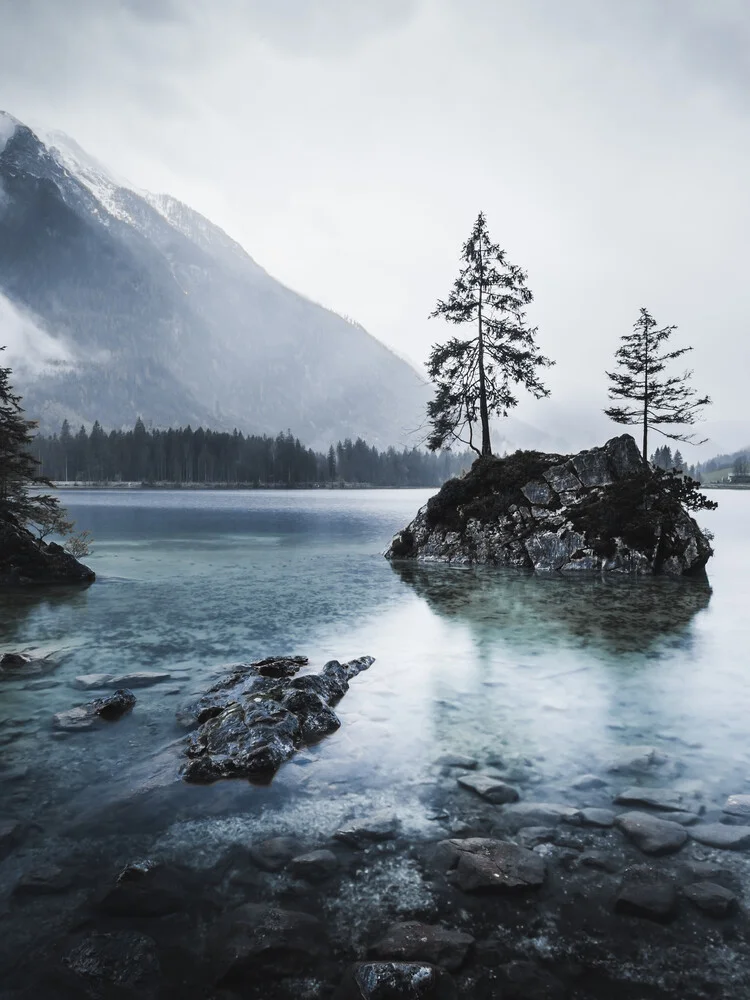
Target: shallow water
555 675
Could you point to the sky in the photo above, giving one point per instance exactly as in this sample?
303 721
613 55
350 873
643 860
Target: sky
348 145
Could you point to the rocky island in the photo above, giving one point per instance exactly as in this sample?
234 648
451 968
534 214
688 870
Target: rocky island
601 510
29 561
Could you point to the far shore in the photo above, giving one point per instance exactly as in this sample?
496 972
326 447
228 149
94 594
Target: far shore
230 486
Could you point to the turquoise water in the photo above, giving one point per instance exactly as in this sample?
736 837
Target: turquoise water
556 674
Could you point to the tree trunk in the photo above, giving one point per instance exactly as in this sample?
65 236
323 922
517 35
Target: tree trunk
645 401
484 415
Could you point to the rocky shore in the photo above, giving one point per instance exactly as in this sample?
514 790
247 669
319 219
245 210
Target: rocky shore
25 561
629 883
598 511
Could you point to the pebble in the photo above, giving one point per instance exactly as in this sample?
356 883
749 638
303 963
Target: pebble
457 760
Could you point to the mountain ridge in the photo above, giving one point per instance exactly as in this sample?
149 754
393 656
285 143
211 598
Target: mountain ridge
165 316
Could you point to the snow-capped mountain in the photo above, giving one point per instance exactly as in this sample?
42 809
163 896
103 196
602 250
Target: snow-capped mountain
142 307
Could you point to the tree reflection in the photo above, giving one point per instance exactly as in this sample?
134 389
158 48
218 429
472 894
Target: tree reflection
616 614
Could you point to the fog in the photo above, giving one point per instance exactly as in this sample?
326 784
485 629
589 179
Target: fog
349 147
29 348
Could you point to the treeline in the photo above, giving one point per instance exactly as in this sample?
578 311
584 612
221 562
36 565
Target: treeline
184 455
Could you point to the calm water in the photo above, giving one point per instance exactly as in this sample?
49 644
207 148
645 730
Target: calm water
559 674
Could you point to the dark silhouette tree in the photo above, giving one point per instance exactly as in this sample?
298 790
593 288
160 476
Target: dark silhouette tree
19 470
475 377
658 400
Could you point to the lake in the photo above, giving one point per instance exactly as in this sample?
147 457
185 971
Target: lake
554 676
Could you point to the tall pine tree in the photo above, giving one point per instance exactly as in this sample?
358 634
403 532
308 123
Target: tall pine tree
475 377
657 400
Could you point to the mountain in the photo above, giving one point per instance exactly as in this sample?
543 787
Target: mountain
118 304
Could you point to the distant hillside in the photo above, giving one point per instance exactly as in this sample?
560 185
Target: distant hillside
119 304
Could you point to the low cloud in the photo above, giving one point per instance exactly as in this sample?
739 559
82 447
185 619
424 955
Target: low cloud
30 349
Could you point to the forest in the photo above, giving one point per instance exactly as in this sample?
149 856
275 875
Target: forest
186 456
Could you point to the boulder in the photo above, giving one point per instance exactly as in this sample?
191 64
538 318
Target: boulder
414 941
650 834
558 514
480 863
111 708
396 981
25 561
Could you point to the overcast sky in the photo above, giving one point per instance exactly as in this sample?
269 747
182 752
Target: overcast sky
349 144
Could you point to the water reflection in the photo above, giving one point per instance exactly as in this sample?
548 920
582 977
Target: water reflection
615 615
19 607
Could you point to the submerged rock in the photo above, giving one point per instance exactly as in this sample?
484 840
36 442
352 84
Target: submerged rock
557 513
480 863
711 898
490 787
113 707
26 561
650 834
412 940
722 836
645 892
254 720
21 665
142 678
396 980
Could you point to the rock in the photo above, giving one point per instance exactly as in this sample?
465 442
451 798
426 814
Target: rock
315 718
587 782
315 866
599 860
19 666
45 880
491 788
738 805
148 889
683 818
533 836
597 817
652 835
711 898
253 720
110 708
529 981
665 799
637 760
412 940
10 831
557 513
360 833
644 892
540 814
275 853
728 838
119 964
261 940
481 863
26 561
88 682
457 760
139 679
396 981
242 743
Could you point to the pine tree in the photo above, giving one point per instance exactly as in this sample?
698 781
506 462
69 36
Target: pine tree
678 462
659 400
475 377
18 468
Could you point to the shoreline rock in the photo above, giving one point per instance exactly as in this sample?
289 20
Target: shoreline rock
557 514
26 561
